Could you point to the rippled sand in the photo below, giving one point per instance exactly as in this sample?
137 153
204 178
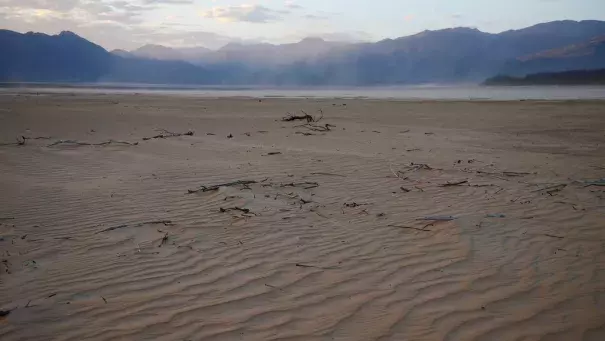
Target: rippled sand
104 242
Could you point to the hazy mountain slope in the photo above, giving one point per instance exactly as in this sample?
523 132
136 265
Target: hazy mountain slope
585 55
34 57
39 57
443 56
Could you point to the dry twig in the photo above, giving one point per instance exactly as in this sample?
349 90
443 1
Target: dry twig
165 134
217 187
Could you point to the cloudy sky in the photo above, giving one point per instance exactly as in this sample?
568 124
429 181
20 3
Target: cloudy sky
128 24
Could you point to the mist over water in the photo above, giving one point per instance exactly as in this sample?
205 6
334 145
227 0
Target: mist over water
427 92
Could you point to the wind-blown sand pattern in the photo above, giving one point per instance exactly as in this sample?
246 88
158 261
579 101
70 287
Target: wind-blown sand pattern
102 241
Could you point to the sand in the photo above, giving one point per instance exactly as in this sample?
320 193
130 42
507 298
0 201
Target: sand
104 242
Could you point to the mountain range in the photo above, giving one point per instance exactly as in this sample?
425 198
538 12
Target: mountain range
442 56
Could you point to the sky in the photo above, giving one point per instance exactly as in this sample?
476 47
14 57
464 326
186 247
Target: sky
129 24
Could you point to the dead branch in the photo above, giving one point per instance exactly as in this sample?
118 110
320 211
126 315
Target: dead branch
438 218
321 112
553 236
162 242
410 227
273 153
244 210
216 187
354 204
328 174
484 185
314 266
78 143
20 142
305 117
457 183
165 134
155 222
305 185
316 127
551 189
512 174
304 134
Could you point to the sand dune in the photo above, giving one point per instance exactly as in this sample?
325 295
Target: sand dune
101 240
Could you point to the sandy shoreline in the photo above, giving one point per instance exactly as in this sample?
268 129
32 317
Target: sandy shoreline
100 239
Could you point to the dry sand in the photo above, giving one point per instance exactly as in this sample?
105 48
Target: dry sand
102 242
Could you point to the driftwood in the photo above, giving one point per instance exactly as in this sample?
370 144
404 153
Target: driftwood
217 187
20 142
304 117
305 185
328 174
316 127
505 173
314 266
438 218
78 143
553 236
162 242
411 228
552 189
165 134
244 210
354 204
457 183
155 222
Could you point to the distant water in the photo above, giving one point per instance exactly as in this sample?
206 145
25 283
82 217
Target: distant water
428 92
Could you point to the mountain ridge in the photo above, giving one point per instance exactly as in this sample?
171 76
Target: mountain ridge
452 55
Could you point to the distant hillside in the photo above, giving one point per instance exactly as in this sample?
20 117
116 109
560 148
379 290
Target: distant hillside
35 57
585 55
160 52
38 57
576 77
442 56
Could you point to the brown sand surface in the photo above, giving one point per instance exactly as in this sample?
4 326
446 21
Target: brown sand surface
103 242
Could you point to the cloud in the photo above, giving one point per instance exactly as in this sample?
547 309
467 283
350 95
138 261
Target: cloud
245 13
167 2
55 5
292 5
315 17
78 11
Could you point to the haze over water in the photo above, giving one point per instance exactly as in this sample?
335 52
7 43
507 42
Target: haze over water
429 92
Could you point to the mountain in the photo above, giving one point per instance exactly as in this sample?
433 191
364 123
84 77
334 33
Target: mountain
264 55
36 57
442 56
586 55
66 57
160 52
